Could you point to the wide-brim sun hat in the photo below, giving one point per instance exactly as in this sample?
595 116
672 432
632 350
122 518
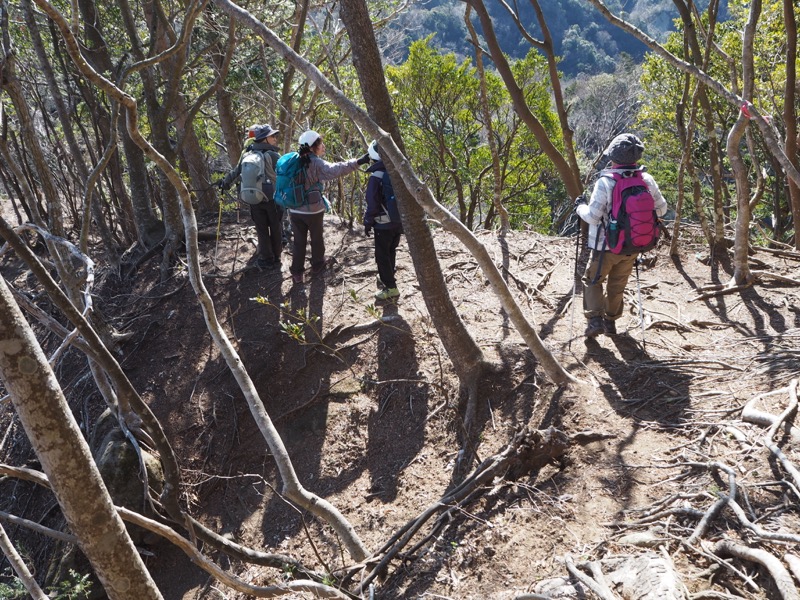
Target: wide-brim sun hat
264 131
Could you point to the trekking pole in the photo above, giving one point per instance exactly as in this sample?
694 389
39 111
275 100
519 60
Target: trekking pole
575 280
219 226
639 297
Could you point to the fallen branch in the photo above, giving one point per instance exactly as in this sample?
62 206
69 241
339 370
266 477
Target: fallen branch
712 291
232 549
762 533
717 507
770 275
318 589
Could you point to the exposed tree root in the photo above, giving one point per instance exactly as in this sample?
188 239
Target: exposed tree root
197 530
782 578
712 291
528 451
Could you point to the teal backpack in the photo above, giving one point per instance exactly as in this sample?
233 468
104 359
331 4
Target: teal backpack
290 182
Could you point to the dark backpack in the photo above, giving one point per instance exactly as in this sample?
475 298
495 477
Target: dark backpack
391 214
633 225
256 186
290 182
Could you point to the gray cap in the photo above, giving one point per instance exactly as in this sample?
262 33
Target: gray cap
625 149
264 131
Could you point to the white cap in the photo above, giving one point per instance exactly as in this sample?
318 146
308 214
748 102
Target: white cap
307 138
373 150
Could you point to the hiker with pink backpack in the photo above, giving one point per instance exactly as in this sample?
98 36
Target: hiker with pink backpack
622 214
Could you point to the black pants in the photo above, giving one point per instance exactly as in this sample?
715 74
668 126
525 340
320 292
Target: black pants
386 242
303 225
267 218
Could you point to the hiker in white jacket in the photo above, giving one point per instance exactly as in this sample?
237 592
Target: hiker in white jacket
607 273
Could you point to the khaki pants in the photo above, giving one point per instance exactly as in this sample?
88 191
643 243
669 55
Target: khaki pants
616 269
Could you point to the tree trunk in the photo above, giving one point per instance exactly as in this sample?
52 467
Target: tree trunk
570 178
66 126
497 178
714 153
11 85
231 130
465 354
790 114
149 229
194 159
741 273
66 459
20 568
286 112
548 47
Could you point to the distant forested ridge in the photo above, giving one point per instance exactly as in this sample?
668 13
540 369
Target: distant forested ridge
584 39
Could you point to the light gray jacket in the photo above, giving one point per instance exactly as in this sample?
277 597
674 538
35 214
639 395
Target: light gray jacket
319 170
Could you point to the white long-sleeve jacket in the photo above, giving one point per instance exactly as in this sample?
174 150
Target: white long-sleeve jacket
597 211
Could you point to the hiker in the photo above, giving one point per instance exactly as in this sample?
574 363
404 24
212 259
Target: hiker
307 219
383 217
609 267
265 213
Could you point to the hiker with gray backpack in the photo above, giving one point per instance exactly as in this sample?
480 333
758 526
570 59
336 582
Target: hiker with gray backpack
256 170
622 214
382 217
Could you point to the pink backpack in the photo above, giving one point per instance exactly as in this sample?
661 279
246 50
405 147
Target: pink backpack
633 225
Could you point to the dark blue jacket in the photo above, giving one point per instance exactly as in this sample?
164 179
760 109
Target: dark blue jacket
375 216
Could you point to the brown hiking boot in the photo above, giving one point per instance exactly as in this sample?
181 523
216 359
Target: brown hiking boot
594 327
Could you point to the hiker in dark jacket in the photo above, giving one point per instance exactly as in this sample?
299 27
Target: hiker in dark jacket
266 214
307 219
602 307
386 224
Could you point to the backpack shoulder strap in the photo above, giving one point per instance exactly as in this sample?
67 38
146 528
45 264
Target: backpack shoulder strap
269 164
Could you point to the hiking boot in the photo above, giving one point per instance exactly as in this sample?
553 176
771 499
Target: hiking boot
609 327
297 278
387 294
327 262
594 327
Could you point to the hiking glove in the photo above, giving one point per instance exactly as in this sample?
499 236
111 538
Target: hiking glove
221 185
367 230
363 160
580 200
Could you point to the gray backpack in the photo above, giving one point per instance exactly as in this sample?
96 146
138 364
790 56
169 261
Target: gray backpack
254 178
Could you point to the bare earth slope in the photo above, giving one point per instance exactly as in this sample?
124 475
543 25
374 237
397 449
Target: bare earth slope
370 413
